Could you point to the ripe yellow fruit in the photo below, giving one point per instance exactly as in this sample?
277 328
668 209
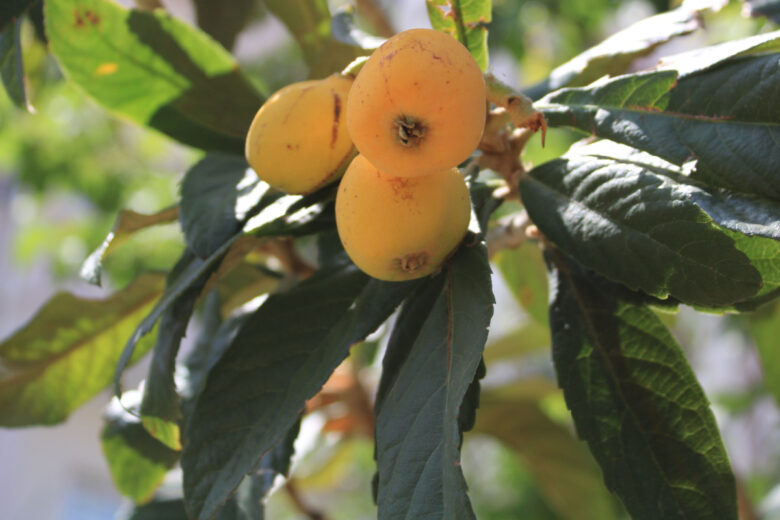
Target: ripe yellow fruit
418 104
298 141
400 228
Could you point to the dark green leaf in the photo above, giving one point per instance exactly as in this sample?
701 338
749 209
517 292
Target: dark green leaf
616 54
288 215
636 219
155 70
281 357
465 20
431 361
137 461
525 274
160 409
11 67
66 354
636 401
127 223
218 195
169 509
11 10
223 20
716 122
563 469
258 483
484 201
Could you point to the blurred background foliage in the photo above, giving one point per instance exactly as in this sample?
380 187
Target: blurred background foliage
67 169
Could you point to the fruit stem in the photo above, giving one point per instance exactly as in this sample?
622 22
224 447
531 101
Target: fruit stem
519 107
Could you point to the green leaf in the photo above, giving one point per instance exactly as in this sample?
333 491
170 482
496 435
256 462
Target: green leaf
310 24
717 122
167 509
66 353
565 472
218 194
11 66
431 361
616 54
11 10
636 401
155 70
288 215
223 20
281 357
160 409
137 461
525 274
465 20
637 220
127 223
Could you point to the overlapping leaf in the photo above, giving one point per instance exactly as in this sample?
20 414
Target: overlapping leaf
615 54
67 353
467 21
636 401
431 362
606 202
127 223
713 117
218 194
10 10
280 358
155 70
138 462
11 67
223 21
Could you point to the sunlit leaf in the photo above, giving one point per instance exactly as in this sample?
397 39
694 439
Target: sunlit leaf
466 20
672 237
137 461
155 70
714 121
67 353
127 223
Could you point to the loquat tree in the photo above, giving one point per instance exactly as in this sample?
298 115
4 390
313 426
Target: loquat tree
669 197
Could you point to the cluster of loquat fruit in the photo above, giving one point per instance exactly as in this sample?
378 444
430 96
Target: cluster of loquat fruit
414 112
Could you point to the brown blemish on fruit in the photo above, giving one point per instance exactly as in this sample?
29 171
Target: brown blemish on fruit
409 131
412 262
400 186
336 115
